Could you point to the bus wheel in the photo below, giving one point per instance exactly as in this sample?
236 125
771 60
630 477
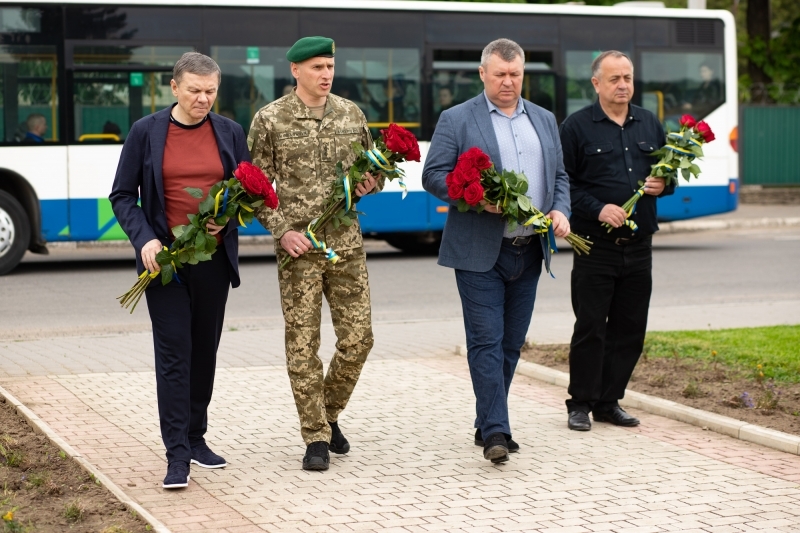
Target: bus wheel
15 232
424 243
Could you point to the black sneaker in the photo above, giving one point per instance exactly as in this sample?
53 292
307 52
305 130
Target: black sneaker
513 447
203 456
338 443
316 457
495 448
177 475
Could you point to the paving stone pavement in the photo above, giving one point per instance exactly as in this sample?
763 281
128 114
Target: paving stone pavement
412 467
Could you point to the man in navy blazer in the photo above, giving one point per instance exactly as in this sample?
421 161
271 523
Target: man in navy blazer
185 145
497 271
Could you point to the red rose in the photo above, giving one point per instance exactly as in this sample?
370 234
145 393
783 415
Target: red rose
474 193
255 183
704 129
477 158
456 192
457 178
401 141
471 175
688 121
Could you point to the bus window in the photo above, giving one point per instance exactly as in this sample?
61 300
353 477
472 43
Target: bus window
108 102
675 83
383 82
252 77
28 95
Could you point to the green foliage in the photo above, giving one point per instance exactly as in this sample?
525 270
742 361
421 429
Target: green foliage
74 510
774 348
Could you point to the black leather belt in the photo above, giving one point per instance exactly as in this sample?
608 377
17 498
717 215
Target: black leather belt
518 241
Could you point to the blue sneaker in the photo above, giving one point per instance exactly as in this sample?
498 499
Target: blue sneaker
177 475
203 456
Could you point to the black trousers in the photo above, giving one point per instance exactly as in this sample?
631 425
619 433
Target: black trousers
610 297
187 324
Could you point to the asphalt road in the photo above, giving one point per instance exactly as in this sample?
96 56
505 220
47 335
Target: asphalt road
74 290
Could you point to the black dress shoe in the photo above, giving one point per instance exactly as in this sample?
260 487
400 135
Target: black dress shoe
616 416
513 447
579 421
316 457
495 448
338 443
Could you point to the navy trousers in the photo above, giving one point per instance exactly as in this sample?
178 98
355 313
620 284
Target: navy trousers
187 325
497 307
610 296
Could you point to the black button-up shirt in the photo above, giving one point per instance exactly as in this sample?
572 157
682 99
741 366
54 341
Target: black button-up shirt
605 162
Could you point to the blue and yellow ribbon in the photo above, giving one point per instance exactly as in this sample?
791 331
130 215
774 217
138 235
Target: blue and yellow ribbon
377 158
544 228
348 193
679 136
246 208
330 255
224 201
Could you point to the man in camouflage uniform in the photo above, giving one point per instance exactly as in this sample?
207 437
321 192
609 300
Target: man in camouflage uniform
297 141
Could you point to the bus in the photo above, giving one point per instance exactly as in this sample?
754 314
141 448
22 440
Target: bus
75 75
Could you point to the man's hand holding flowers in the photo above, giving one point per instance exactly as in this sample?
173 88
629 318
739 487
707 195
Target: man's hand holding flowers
296 243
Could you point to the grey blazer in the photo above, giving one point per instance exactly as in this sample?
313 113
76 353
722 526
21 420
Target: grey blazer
471 240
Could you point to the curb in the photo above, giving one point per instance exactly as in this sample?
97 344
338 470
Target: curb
684 226
777 440
40 426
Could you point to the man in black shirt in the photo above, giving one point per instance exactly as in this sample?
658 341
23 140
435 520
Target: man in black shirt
607 153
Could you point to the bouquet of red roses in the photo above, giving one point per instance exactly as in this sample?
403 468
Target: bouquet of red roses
475 179
395 145
234 198
682 148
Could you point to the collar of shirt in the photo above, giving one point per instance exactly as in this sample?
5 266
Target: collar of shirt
599 115
518 111
301 110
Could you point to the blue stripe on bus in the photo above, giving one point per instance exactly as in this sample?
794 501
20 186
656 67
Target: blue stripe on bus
698 201
90 219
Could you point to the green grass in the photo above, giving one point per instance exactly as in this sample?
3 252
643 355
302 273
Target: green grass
775 348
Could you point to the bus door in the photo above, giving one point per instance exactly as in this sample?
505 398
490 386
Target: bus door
112 87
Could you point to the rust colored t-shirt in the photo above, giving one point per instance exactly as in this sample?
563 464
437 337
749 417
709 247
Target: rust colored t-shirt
191 159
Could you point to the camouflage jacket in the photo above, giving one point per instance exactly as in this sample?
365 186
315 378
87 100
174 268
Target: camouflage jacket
299 152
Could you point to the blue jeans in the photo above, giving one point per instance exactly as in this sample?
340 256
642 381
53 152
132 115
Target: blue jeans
497 307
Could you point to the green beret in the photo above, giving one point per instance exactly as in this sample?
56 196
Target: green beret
311 47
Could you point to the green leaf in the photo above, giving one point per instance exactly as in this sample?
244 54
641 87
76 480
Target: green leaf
512 224
200 241
685 162
694 169
166 274
183 256
357 148
193 219
685 173
202 256
194 192
335 222
177 231
211 244
463 207
347 221
524 203
207 205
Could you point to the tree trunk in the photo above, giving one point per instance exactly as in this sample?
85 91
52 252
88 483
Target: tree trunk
758 28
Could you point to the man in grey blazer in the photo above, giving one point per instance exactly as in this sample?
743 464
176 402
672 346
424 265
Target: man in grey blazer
497 271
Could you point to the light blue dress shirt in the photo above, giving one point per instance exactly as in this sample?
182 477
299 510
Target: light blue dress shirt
520 151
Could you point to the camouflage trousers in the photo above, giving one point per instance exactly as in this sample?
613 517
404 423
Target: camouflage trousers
346 287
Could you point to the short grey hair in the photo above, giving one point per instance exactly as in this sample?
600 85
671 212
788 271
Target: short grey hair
35 119
507 49
195 63
608 53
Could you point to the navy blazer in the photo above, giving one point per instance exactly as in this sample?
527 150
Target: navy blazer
471 240
139 175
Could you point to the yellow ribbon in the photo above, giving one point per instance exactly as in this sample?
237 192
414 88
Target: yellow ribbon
216 203
330 255
680 150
